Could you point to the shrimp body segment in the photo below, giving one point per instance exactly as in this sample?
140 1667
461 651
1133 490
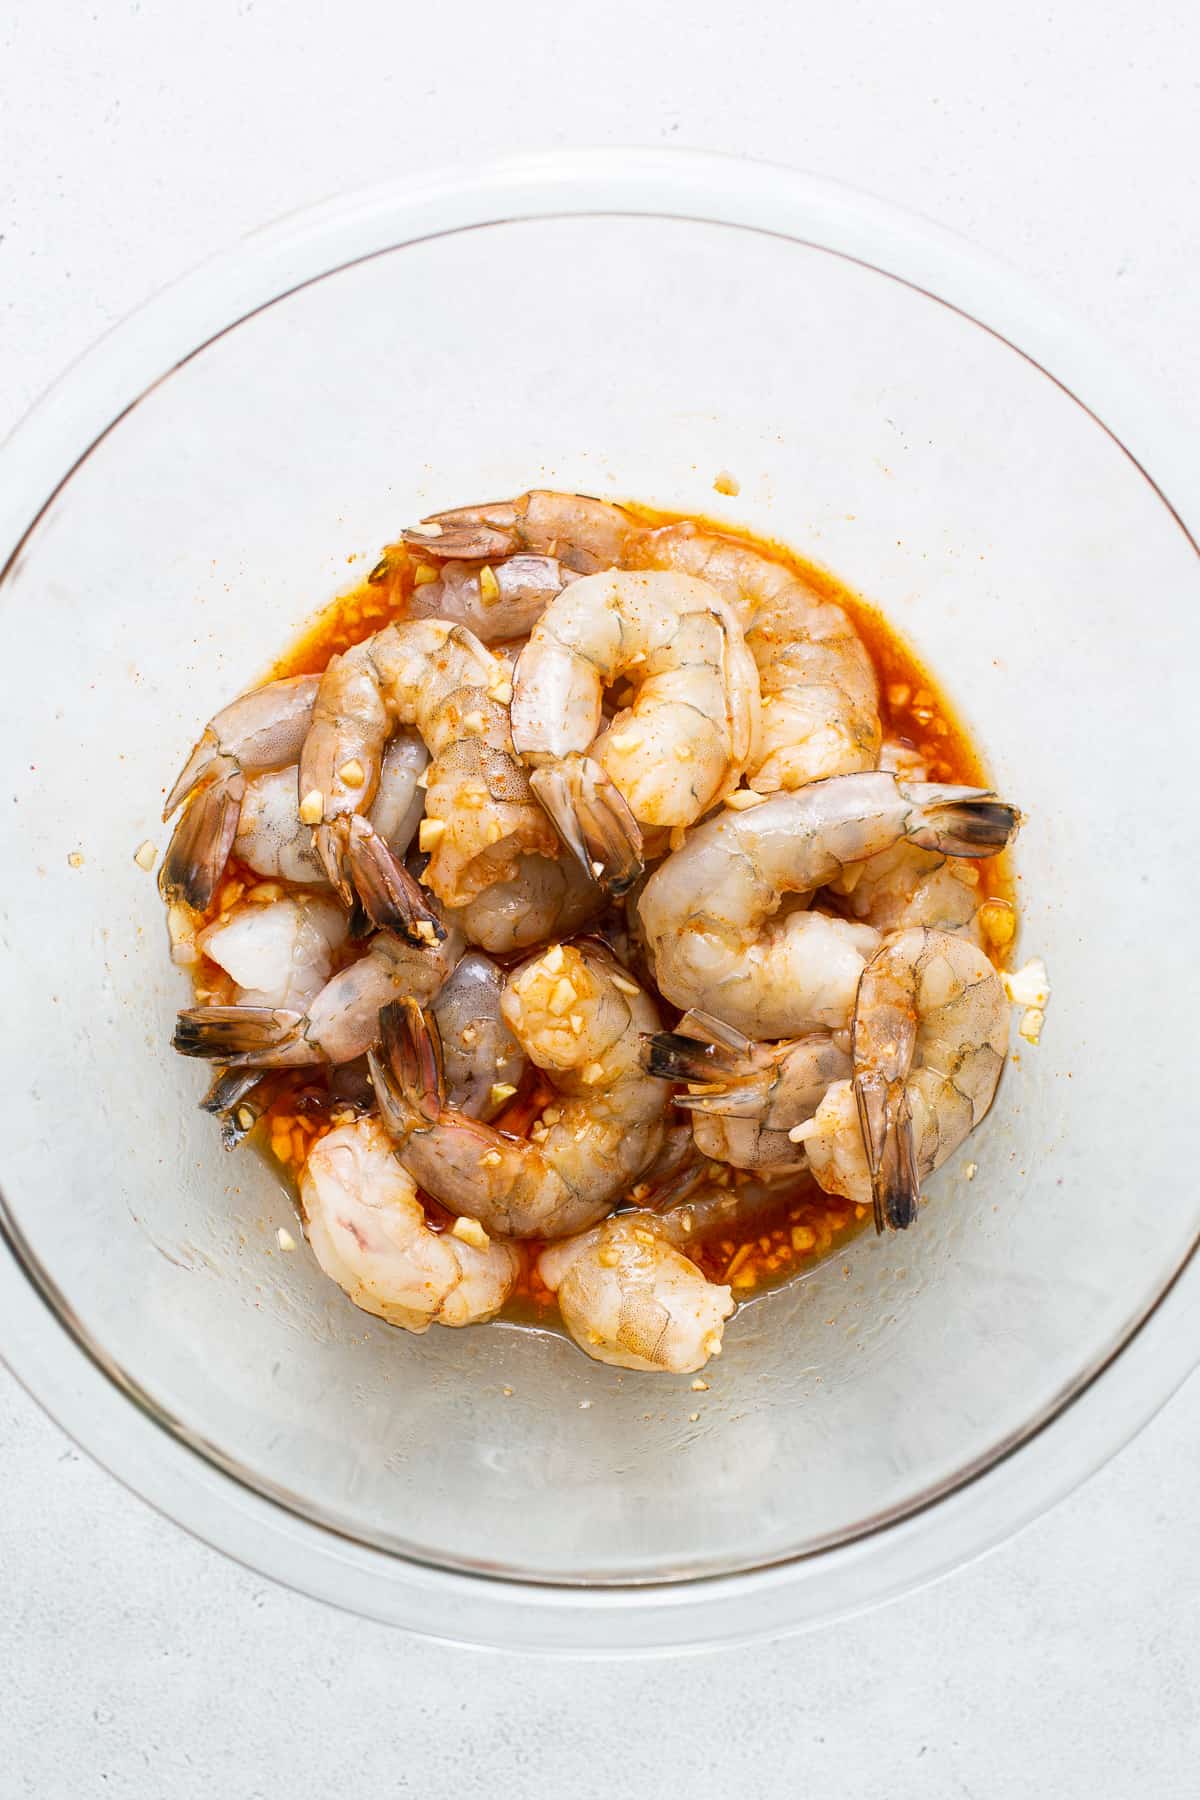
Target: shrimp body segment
820 697
497 603
261 730
368 1232
907 885
576 1015
480 813
714 917
629 1297
930 1036
546 898
279 954
481 1060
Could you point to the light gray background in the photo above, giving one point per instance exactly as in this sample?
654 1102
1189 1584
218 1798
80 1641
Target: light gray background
134 140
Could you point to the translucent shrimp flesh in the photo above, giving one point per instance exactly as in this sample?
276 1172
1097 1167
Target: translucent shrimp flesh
689 726
340 1023
744 1098
714 914
262 730
820 700
481 1060
547 898
497 602
368 1232
930 1036
578 1016
280 954
272 840
907 885
630 1297
480 814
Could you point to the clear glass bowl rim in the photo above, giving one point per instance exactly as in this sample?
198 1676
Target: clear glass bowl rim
97 1404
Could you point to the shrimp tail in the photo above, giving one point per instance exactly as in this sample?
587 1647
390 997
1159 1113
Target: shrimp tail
406 1069
593 819
201 843
205 765
886 1122
240 1096
960 821
228 1087
371 880
244 1036
467 533
706 1051
675 1056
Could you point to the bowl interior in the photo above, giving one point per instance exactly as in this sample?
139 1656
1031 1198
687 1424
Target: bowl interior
883 434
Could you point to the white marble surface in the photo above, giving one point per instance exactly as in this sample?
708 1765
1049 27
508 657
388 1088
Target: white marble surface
134 139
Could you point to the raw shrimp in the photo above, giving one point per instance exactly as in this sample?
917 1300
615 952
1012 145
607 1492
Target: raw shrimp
546 898
746 1097
496 603
907 885
628 1296
710 910
338 1025
577 1015
281 953
820 700
480 811
929 1041
368 1232
690 728
262 730
584 534
272 841
481 1059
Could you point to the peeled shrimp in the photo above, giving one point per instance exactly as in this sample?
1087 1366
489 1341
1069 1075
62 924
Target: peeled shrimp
584 534
713 912
820 701
340 1023
480 811
628 1296
368 1232
907 885
546 898
279 954
691 724
496 603
577 1015
272 841
929 1040
746 1097
481 1060
262 730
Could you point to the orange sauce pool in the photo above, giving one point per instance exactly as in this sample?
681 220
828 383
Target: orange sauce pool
803 1227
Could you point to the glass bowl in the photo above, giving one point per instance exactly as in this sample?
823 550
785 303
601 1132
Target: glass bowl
900 410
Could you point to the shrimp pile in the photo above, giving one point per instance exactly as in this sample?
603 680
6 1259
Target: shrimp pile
590 927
